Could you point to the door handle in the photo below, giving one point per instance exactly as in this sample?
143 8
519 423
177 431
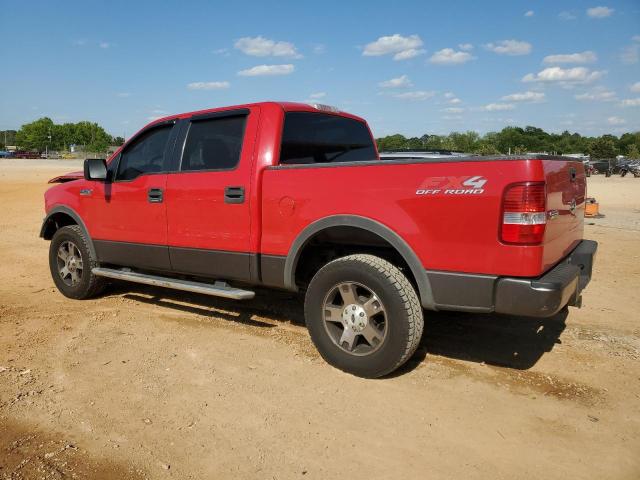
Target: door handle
233 194
154 195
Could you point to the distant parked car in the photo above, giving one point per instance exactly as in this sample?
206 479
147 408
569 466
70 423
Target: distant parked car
52 155
5 154
632 167
26 154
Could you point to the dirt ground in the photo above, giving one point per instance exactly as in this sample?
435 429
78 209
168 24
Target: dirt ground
150 383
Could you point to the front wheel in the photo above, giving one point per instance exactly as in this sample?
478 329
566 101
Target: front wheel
363 315
71 262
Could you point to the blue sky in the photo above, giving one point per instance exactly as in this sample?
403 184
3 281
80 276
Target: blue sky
409 67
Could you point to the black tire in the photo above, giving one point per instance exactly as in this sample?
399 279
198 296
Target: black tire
403 314
89 285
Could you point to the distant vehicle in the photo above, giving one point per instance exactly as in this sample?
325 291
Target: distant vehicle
632 167
51 155
26 154
417 154
5 154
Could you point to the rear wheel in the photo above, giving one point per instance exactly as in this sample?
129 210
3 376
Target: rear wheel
363 315
71 262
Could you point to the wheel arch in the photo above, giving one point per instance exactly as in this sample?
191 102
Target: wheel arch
367 224
62 216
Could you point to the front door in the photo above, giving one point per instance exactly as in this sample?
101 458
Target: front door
129 214
208 198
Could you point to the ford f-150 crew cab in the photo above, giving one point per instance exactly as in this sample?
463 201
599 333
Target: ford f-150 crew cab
294 196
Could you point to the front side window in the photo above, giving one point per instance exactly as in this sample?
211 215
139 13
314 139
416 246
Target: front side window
213 144
322 138
144 155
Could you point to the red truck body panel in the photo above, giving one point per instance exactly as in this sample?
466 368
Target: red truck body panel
448 232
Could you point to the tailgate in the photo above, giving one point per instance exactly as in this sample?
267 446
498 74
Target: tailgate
566 192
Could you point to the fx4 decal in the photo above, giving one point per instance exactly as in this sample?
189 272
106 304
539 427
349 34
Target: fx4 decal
452 186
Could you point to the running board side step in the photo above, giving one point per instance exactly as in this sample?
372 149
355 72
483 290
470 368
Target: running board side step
218 289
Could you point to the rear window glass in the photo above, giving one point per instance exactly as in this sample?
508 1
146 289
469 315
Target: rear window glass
214 144
321 138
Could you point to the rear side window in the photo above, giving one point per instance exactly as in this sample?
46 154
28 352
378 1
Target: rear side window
144 155
213 144
321 138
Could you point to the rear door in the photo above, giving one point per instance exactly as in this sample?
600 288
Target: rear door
208 197
128 216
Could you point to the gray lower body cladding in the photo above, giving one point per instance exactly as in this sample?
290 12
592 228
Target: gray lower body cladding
543 296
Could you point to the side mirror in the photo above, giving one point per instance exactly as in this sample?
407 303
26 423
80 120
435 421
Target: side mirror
95 169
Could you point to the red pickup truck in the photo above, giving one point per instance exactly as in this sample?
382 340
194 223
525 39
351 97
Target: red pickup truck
294 196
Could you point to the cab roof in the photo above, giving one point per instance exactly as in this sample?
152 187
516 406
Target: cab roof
286 106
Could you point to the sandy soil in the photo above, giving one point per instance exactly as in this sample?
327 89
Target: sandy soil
149 383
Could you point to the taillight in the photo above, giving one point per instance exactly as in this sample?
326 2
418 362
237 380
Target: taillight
524 215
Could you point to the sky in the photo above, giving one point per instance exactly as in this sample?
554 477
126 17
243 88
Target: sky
409 67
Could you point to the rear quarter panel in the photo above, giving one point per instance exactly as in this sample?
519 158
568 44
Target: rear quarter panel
452 232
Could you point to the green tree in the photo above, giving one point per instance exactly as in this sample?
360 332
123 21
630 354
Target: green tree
602 147
633 152
44 133
35 135
392 142
7 137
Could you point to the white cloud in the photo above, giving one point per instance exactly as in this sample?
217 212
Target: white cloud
264 47
407 54
509 47
635 87
599 12
573 75
527 96
616 121
630 102
567 16
452 99
265 70
318 95
529 13
599 94
319 49
635 38
104 45
401 47
208 85
465 46
497 107
453 110
417 95
221 51
452 117
398 82
449 56
630 54
123 94
584 57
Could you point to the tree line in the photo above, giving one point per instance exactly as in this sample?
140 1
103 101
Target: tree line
518 141
44 134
